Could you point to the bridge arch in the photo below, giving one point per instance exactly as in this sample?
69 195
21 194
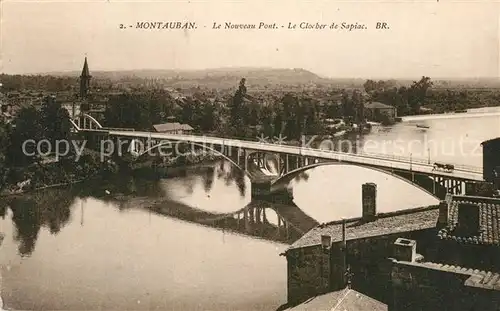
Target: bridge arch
161 144
85 122
288 177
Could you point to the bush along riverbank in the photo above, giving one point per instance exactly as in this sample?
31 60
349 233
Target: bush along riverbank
66 171
40 175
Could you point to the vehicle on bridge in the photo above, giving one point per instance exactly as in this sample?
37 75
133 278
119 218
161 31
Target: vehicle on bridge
444 167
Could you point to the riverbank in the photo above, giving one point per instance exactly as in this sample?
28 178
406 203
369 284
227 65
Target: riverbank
67 171
468 113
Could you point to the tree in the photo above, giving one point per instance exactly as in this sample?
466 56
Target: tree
312 124
291 116
277 123
4 143
236 109
208 117
370 85
54 120
418 92
347 105
27 127
127 110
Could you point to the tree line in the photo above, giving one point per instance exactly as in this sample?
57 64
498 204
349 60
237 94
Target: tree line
239 115
51 123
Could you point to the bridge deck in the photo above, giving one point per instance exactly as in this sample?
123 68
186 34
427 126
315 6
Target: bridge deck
381 161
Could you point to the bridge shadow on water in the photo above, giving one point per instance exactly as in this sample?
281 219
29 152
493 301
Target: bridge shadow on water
52 209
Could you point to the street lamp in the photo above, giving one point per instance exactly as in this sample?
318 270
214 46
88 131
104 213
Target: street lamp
410 161
428 155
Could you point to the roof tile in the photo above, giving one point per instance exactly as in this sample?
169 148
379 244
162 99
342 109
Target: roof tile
489 222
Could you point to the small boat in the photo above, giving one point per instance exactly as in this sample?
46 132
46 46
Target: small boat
461 111
422 126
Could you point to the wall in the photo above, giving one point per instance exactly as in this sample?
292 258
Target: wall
416 287
466 255
370 263
491 159
308 273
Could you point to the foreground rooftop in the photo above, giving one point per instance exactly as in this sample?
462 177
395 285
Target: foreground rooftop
346 299
385 223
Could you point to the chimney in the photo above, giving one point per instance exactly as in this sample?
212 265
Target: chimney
468 218
405 250
369 199
443 214
326 242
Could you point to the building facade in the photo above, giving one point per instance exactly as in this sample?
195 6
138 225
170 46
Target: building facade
377 111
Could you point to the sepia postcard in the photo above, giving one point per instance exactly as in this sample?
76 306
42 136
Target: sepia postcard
250 155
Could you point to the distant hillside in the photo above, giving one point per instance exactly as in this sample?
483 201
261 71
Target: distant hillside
259 77
212 77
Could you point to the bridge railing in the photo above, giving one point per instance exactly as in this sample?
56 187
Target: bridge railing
360 155
118 129
396 158
417 160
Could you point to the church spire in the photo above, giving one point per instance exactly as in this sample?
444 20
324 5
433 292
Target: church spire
85 80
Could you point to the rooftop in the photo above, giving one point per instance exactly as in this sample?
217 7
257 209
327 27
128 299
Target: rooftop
385 223
489 221
377 105
478 278
167 127
346 299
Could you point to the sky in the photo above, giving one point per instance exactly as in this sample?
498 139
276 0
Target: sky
438 39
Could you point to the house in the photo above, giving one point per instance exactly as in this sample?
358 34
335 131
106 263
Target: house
173 128
375 111
366 253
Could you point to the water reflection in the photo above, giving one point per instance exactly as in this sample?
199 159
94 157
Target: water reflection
218 196
270 221
230 174
50 209
208 179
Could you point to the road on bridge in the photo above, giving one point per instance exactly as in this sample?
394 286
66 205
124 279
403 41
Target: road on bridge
375 160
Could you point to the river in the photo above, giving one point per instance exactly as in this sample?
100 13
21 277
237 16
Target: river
151 245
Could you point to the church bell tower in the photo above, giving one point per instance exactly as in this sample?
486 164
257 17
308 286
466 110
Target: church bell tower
85 80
